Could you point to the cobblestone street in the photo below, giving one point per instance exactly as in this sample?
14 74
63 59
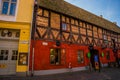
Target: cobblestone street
105 74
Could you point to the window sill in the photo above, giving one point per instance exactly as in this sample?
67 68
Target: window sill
7 15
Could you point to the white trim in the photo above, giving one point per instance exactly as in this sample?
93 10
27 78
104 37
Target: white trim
9 17
17 5
55 71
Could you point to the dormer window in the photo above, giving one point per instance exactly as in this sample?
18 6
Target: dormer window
9 7
64 26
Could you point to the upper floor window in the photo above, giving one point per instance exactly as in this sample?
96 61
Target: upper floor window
64 26
9 7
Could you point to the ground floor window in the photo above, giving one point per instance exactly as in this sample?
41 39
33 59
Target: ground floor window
4 55
80 56
57 56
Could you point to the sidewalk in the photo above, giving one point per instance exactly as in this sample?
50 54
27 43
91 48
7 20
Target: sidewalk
105 74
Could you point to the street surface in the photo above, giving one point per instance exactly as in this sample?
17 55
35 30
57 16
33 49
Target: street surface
105 74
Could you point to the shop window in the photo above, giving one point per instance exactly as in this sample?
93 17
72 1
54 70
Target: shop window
9 7
80 56
64 26
4 55
14 54
108 55
57 56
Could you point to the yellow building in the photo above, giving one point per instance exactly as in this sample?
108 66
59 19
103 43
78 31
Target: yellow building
15 28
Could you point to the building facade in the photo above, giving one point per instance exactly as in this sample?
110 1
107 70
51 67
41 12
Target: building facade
15 28
67 37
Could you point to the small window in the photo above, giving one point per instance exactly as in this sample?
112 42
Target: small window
80 56
5 33
64 26
9 34
17 34
9 7
4 55
108 55
104 37
14 55
55 56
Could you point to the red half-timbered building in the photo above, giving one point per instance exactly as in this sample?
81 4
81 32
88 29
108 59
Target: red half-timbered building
67 37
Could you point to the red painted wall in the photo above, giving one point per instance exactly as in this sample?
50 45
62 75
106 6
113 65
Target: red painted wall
42 55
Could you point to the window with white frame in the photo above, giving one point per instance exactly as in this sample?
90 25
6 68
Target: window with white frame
9 7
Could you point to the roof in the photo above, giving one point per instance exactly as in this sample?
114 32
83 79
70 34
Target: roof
64 7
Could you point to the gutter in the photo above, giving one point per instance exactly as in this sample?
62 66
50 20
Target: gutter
28 73
34 30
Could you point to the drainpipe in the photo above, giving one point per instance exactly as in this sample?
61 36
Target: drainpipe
30 40
34 30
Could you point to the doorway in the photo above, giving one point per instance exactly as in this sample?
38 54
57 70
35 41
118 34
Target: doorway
8 57
95 61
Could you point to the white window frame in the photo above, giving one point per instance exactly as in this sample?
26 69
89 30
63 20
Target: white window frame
10 2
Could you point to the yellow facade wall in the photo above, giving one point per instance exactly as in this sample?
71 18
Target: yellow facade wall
14 25
24 36
24 15
25 10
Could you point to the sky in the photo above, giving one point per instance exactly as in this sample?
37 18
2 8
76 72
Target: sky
109 9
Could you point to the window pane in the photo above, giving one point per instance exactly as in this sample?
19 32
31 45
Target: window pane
64 26
12 8
4 55
5 8
1 55
14 55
